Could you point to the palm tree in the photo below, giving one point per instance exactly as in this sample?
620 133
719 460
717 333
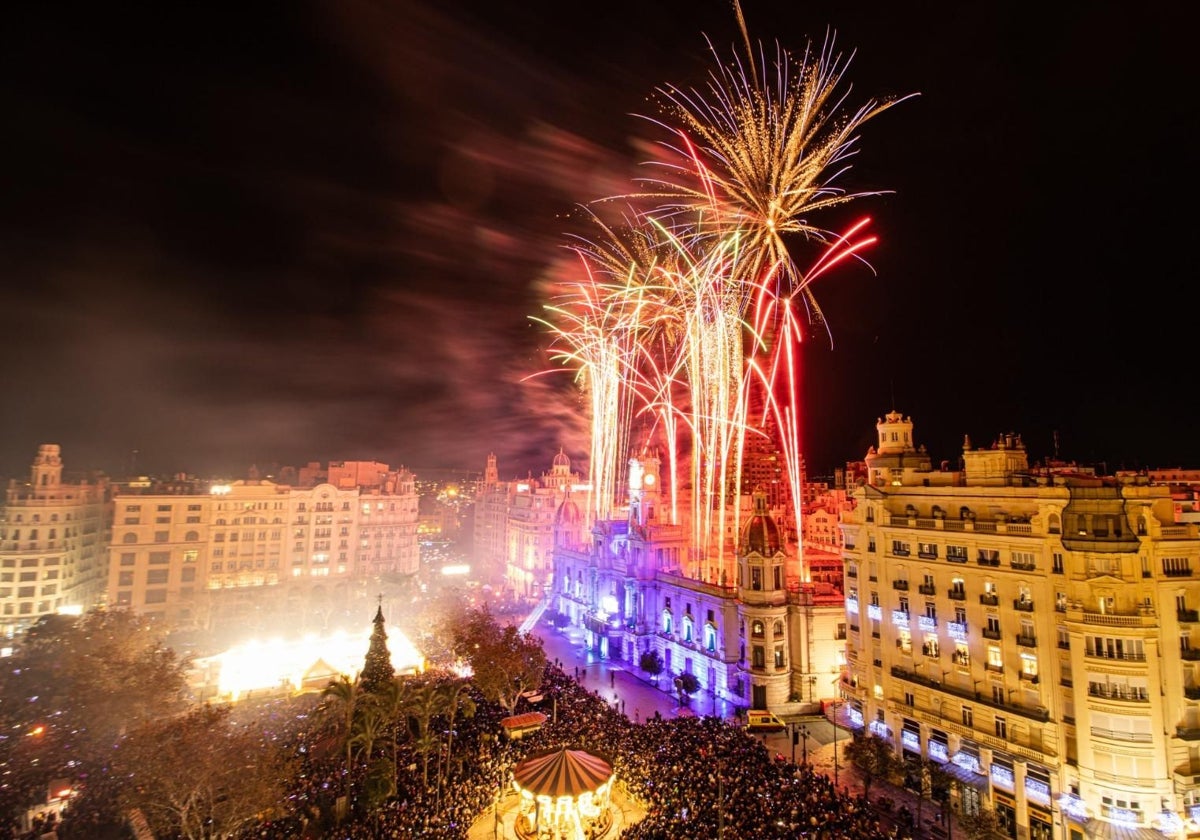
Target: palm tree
347 693
369 726
395 700
457 698
426 702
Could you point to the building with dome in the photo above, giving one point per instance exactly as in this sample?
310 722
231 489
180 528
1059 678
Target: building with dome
1035 630
764 639
515 525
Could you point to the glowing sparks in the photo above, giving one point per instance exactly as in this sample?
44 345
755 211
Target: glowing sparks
685 316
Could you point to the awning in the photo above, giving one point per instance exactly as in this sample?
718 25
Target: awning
1104 830
967 777
562 773
523 720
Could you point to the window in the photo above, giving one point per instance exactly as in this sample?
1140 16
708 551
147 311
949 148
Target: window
1001 727
900 548
968 716
161 536
758 659
159 558
778 656
128 558
156 596
995 659
757 629
125 579
1056 563
157 576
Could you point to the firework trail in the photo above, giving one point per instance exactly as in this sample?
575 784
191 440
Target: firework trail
690 306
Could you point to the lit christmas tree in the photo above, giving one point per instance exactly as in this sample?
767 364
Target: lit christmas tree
377 670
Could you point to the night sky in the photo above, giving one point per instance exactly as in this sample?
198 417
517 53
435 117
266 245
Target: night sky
273 233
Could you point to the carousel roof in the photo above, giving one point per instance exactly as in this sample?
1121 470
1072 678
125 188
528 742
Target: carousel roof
562 772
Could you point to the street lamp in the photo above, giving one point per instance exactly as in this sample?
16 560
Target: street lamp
803 746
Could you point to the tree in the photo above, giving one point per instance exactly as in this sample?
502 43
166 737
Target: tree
874 758
980 825
687 685
346 694
199 776
504 662
76 685
426 703
377 670
394 701
652 663
457 698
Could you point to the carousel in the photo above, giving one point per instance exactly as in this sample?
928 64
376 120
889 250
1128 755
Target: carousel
564 795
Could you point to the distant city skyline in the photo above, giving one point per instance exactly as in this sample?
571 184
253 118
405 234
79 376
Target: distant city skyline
318 232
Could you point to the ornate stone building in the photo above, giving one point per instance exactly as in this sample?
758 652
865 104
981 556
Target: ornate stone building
764 640
1034 630
53 537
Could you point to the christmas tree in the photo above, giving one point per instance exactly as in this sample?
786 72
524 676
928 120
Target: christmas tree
377 670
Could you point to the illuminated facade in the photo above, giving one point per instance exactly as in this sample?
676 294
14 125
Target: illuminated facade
529 528
52 541
764 640
1035 630
492 501
197 554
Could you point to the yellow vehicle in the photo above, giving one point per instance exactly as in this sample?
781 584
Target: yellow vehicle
760 720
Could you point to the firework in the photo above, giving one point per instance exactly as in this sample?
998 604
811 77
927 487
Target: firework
691 304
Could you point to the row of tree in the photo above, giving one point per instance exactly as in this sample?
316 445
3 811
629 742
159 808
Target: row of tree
876 760
98 703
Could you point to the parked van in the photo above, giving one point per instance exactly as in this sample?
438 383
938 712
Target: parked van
760 720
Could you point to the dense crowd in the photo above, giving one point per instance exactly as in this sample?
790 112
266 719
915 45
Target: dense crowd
671 766
676 769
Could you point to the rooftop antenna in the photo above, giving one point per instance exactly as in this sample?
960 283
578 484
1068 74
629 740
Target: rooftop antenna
1055 433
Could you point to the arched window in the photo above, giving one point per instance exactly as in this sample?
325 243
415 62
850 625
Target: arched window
191 536
687 628
710 637
777 629
757 629
129 538
1054 524
667 623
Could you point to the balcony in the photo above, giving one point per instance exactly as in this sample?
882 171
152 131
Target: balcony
1036 713
1190 654
900 551
995 669
927 555
1177 572
851 572
927 589
1023 605
956 594
1023 567
1187 733
989 561
989 600
1027 640
989 633
1188 616
1116 692
902 585
956 558
1033 679
1126 656
1192 692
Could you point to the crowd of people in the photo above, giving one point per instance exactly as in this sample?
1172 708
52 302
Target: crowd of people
694 777
678 769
